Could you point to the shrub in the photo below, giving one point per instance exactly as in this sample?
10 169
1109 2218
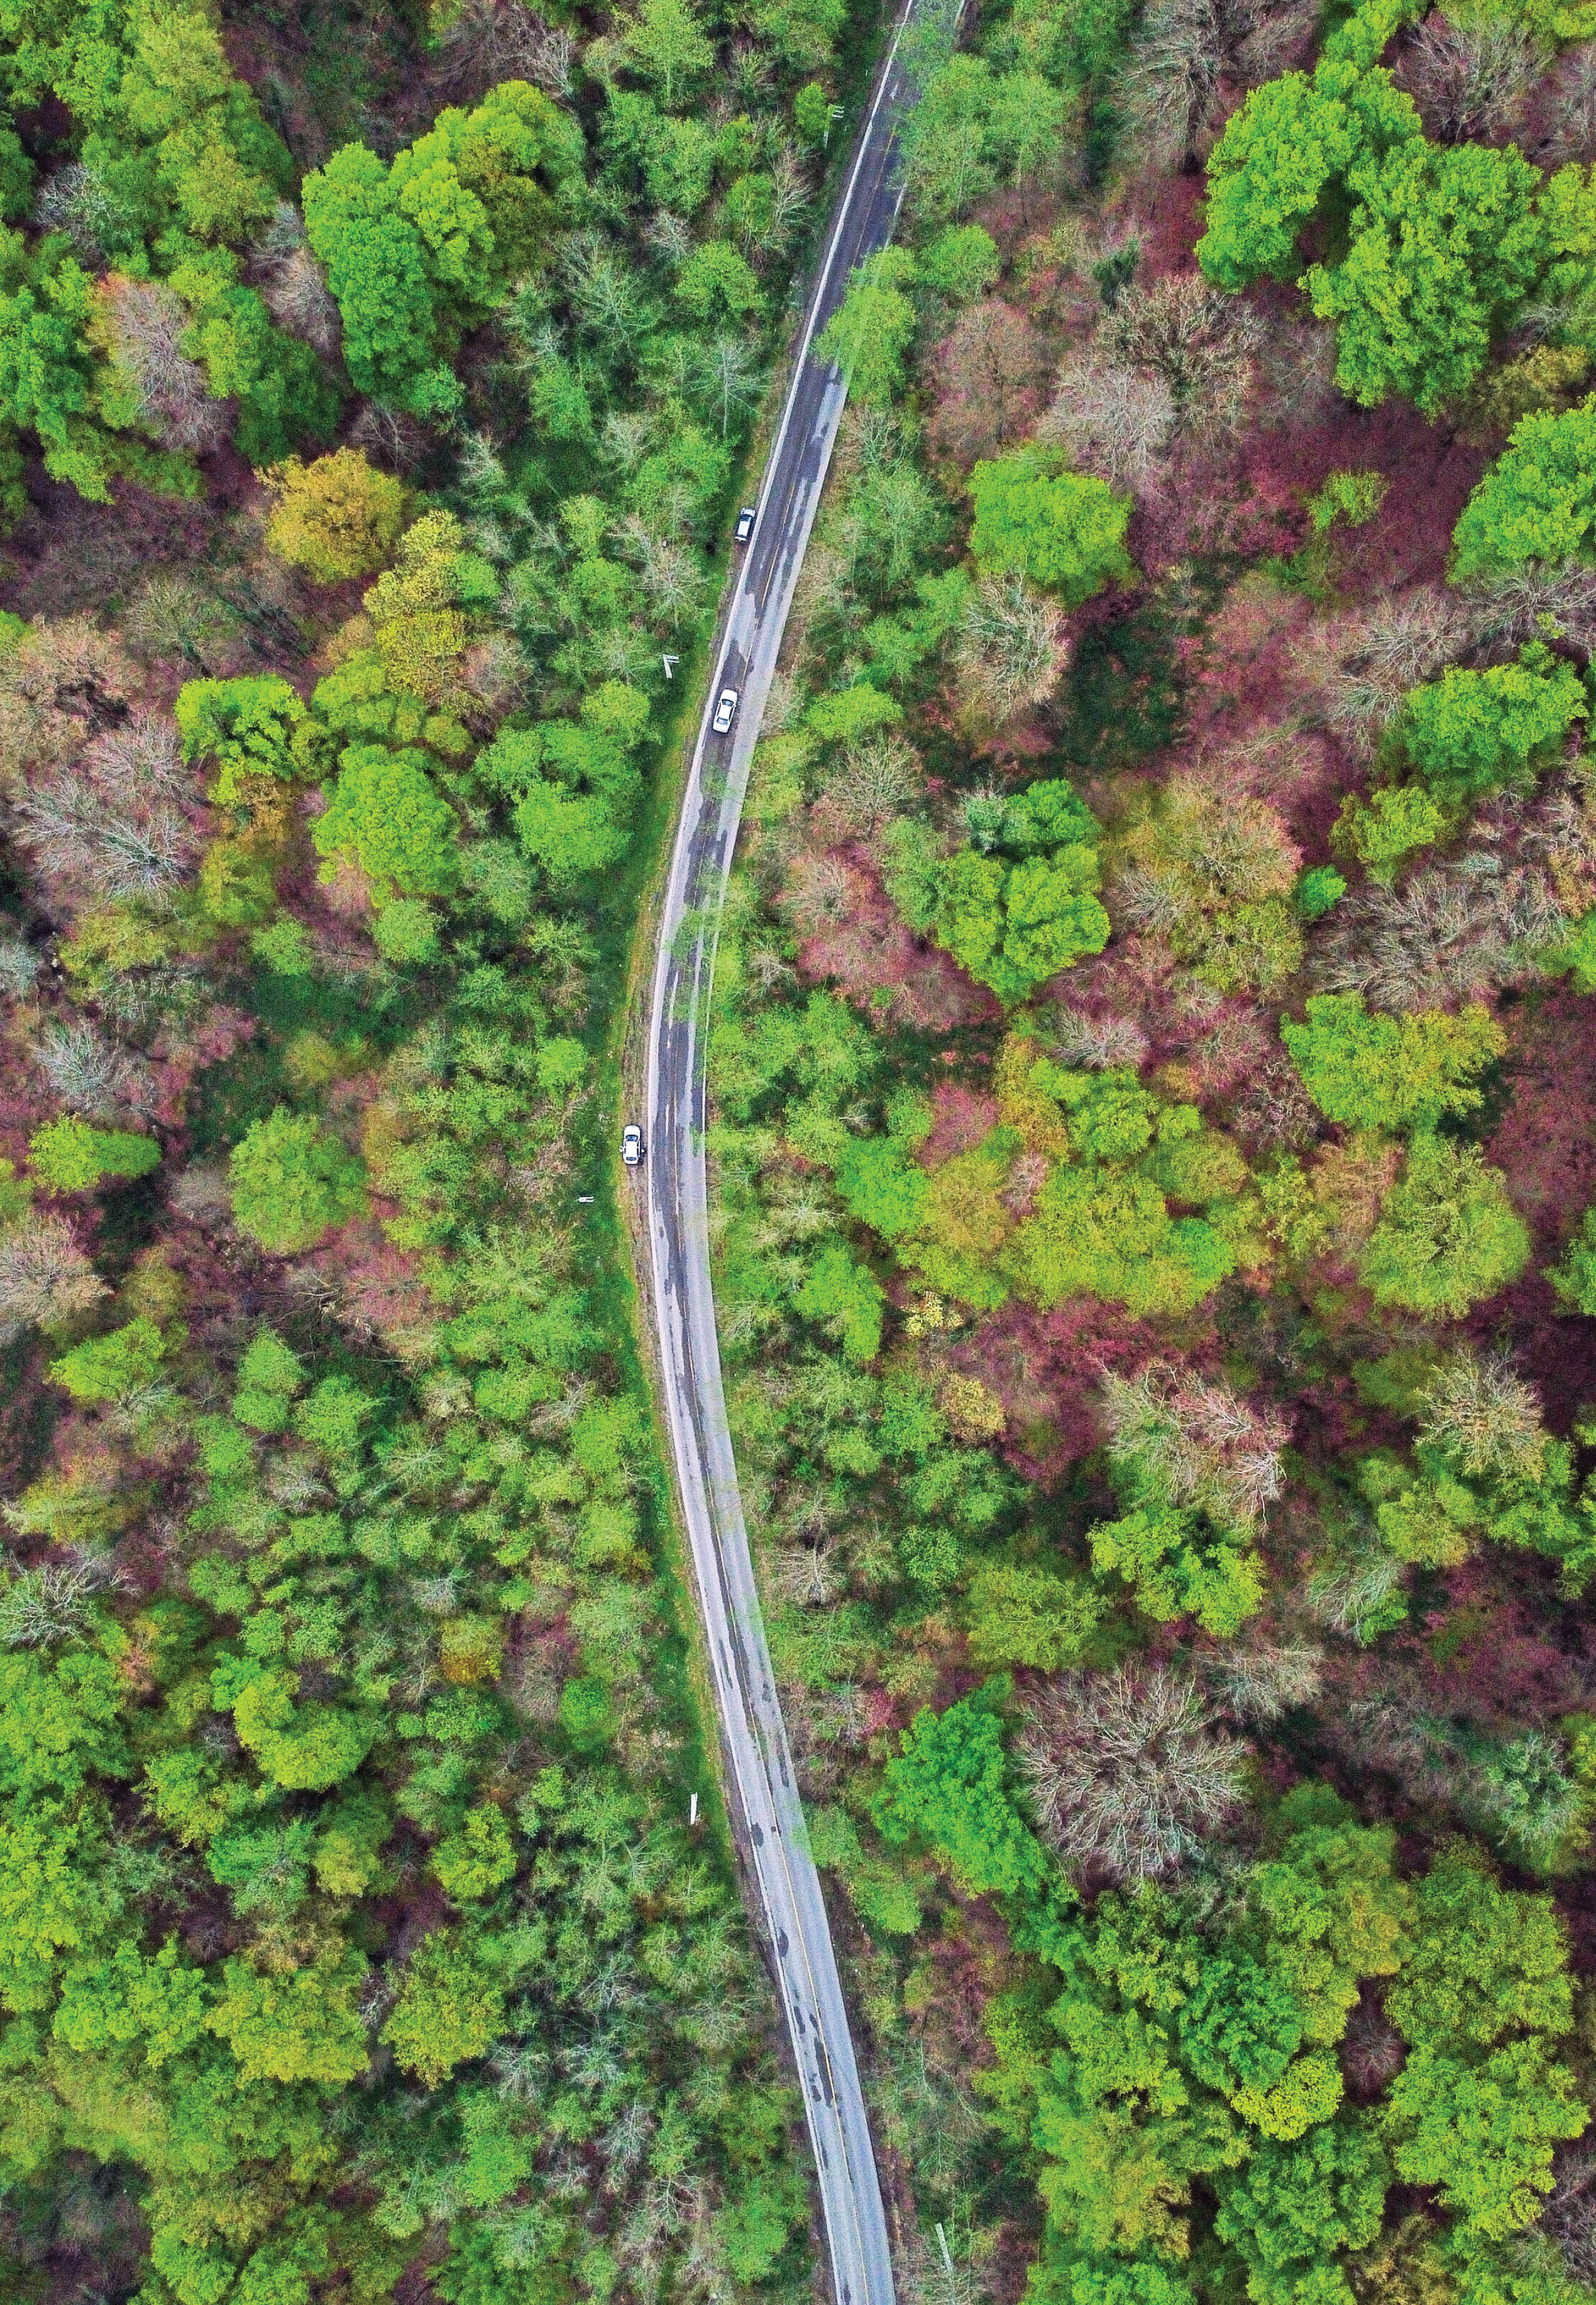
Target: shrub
291 1183
336 518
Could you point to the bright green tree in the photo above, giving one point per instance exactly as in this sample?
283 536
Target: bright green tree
1445 245
247 725
1536 504
1471 733
387 814
1065 533
110 1367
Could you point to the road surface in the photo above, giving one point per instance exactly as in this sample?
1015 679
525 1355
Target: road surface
753 1732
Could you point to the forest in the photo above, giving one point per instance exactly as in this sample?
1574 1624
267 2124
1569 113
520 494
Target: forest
1153 1146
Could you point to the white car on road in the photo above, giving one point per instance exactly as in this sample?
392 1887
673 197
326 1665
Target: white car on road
726 711
631 1145
745 520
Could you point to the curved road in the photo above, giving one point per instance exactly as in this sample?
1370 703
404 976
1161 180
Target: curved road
752 1728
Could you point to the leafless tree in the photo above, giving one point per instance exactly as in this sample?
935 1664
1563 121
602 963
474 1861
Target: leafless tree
74 201
168 394
1508 610
300 301
1453 932
110 821
60 685
1482 1415
1569 2216
988 370
20 965
389 437
1364 667
1262 1681
1010 647
48 1603
1096 1041
1571 122
88 1075
1113 421
1371 2051
76 834
1470 75
882 775
1297 372
44 1274
1182 54
1126 1771
1202 343
494 41
171 619
1191 1441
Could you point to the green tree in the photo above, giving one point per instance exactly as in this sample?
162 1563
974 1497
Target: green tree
1375 1071
1483 2133
872 328
1293 2204
1447 1236
386 813
291 1183
376 268
303 2025
68 1156
269 1376
1486 1962
1024 1616
1384 830
448 2010
1015 926
1573 1276
1445 246
717 287
1536 504
1065 533
478 1858
110 1367
1471 733
844 1296
1267 176
949 1787
667 43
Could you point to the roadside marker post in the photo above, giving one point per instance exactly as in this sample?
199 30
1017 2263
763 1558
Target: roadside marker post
670 664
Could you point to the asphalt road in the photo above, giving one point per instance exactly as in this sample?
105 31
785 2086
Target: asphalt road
753 1735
